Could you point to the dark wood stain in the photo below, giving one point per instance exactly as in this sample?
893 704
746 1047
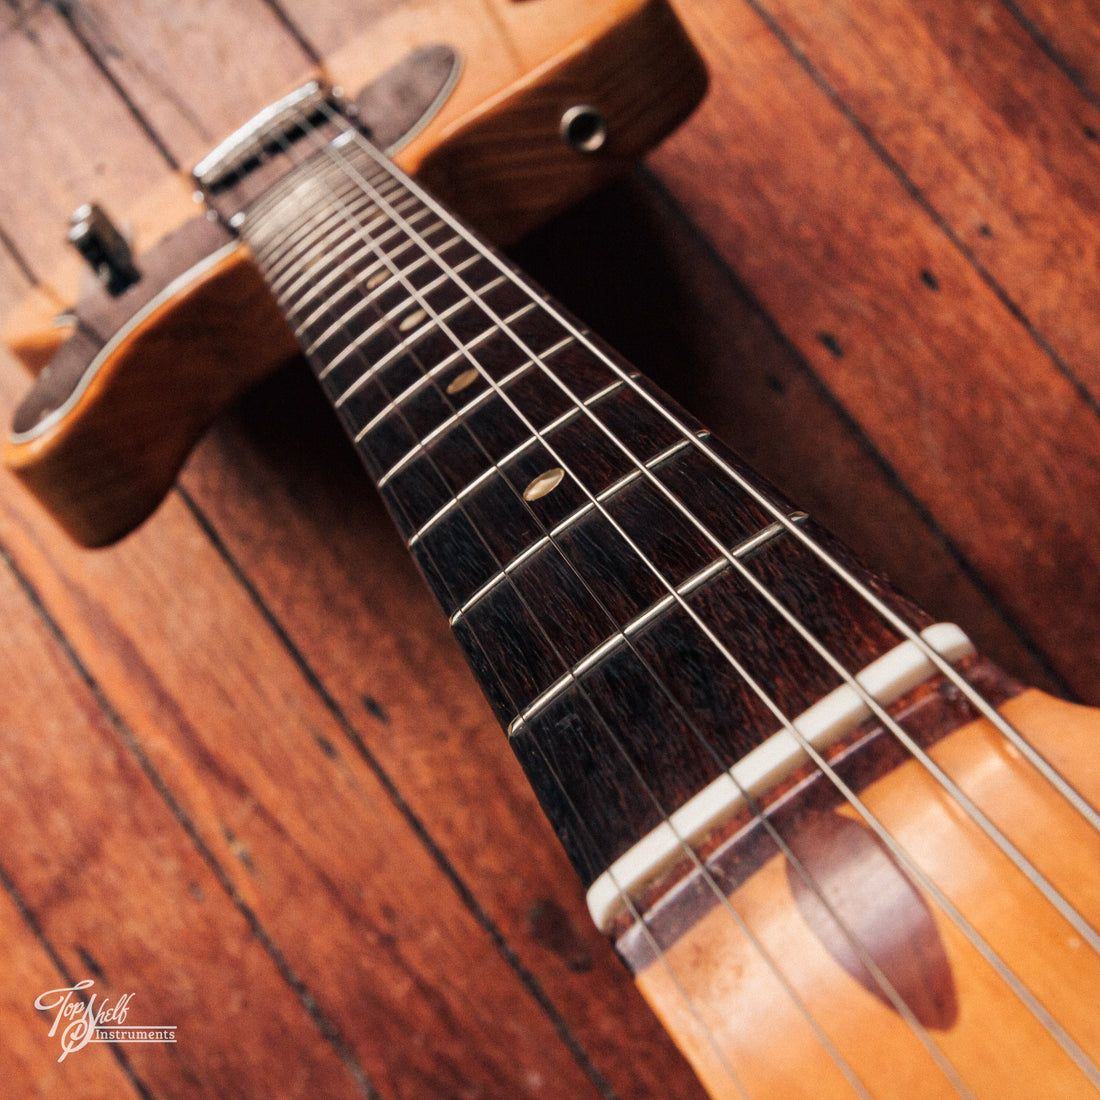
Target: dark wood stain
877 904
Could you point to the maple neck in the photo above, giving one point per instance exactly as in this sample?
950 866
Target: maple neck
631 597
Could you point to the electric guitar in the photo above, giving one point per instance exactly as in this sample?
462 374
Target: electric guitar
840 851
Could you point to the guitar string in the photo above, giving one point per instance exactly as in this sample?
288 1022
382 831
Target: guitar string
1023 864
889 991
990 956
769 961
985 708
1068 1044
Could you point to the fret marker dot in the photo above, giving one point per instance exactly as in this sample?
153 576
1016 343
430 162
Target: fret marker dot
377 279
412 320
466 378
545 483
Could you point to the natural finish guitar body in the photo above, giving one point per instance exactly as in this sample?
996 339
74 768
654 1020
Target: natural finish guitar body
732 1013
493 145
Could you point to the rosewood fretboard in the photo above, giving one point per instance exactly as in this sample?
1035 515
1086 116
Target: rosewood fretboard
596 564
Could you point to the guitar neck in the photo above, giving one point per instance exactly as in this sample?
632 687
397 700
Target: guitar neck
571 521
732 725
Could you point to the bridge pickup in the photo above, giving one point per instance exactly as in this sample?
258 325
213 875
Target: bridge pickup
268 132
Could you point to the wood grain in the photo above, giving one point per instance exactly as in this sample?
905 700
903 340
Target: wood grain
846 277
776 243
743 989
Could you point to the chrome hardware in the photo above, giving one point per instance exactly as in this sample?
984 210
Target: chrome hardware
107 251
584 128
272 125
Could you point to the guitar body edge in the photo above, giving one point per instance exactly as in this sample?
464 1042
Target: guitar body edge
105 463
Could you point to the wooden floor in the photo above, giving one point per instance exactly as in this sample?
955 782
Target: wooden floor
244 773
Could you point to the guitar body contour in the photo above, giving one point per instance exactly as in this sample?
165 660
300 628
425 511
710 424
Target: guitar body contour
103 435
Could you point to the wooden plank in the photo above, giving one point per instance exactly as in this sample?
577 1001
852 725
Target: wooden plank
76 139
124 898
833 246
1070 31
14 283
181 65
311 842
32 1065
1014 171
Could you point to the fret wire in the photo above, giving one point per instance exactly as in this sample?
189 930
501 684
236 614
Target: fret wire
446 425
408 342
559 528
459 414
271 239
813 886
1022 863
401 349
368 274
313 221
313 238
287 189
315 229
431 373
896 622
294 279
315 289
404 343
815 1026
1056 1031
364 300
376 326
